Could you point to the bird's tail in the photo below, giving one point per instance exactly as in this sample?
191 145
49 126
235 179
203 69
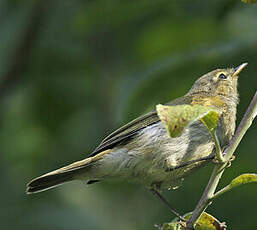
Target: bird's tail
62 175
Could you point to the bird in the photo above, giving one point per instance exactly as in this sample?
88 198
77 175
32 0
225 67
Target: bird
143 152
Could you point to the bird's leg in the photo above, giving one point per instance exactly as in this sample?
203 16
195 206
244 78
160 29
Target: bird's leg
233 157
156 193
230 161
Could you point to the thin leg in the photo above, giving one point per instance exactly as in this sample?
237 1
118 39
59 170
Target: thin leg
156 193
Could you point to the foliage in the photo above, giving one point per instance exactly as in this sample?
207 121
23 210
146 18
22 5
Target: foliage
249 1
205 222
176 118
80 69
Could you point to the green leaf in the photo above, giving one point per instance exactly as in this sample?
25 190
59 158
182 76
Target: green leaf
208 222
176 118
210 120
205 222
243 179
238 181
249 1
172 226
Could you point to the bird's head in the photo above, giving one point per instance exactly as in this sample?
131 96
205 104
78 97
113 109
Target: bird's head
219 82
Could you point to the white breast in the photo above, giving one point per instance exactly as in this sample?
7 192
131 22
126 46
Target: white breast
148 156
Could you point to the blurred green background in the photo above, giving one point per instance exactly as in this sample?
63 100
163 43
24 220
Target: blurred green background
73 71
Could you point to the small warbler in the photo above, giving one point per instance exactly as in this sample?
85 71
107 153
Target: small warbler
143 152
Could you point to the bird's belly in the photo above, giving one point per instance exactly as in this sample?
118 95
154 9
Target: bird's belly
152 156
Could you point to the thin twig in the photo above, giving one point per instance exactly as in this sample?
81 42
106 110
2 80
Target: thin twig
208 194
244 125
206 198
220 192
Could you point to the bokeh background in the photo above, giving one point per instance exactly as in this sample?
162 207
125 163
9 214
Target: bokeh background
73 71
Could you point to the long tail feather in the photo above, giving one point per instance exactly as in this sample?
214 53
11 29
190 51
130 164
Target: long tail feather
65 174
58 176
46 182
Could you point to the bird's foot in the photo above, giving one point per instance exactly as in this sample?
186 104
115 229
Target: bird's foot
230 161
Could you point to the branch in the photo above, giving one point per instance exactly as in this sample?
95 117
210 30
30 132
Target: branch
244 125
208 194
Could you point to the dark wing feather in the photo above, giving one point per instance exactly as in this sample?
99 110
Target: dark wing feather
127 131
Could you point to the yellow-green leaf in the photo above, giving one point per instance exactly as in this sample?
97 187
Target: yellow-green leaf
243 179
238 181
172 226
176 118
210 120
208 222
205 222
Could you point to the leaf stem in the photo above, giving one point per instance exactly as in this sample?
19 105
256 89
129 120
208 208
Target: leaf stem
219 155
208 194
220 192
238 181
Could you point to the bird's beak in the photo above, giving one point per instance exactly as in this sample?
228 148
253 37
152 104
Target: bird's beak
239 69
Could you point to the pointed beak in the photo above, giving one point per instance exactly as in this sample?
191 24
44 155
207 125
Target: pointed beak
239 69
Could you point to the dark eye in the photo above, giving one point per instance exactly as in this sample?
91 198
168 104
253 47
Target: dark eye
222 76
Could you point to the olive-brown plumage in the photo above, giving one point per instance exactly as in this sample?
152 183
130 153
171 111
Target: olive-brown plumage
142 151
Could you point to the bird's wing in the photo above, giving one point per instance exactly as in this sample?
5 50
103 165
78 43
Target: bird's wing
126 132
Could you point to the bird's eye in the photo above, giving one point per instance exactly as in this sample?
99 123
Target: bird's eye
222 76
